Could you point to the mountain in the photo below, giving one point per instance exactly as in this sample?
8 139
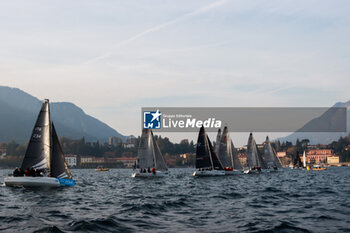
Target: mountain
18 112
331 118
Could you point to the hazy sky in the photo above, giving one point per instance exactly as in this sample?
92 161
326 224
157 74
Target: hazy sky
113 57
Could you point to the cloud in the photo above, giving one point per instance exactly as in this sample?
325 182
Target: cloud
156 28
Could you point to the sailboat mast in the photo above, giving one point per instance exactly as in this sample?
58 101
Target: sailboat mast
50 133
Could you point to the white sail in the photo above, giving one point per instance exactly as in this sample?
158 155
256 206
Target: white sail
304 159
149 155
160 164
254 159
218 141
270 155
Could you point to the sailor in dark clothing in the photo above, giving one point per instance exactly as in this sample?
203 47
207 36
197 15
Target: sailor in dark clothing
149 170
37 172
16 172
26 172
31 172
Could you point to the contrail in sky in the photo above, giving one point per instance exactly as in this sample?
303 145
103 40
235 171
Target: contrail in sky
156 28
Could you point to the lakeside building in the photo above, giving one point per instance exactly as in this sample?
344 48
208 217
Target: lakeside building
92 162
281 154
242 158
130 142
128 162
114 141
71 160
333 160
318 156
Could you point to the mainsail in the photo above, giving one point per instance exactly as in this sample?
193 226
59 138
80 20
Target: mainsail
218 141
205 154
217 165
297 161
203 159
38 151
236 163
149 155
304 159
145 153
227 152
159 159
270 156
254 159
59 167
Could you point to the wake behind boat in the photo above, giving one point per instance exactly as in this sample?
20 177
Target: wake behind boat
43 164
150 161
228 154
207 161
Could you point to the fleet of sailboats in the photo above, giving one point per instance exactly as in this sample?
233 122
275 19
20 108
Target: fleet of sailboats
43 164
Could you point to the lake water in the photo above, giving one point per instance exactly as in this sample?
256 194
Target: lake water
284 201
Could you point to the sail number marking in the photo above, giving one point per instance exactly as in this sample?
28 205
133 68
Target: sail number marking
36 136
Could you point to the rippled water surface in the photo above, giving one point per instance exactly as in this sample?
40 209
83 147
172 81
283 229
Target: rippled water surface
284 201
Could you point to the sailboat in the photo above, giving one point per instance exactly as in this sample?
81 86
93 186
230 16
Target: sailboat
150 162
254 160
207 161
43 164
297 161
228 154
218 141
272 161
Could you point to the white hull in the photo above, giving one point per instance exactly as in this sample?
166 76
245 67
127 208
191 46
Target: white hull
251 172
157 174
209 173
234 172
26 181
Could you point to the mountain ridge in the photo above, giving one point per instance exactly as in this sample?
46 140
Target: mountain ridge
20 109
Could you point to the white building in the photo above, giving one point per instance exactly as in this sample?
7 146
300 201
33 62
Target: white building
71 160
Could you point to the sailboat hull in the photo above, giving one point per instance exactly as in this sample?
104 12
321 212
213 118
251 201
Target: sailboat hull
26 181
157 174
234 172
209 173
251 171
